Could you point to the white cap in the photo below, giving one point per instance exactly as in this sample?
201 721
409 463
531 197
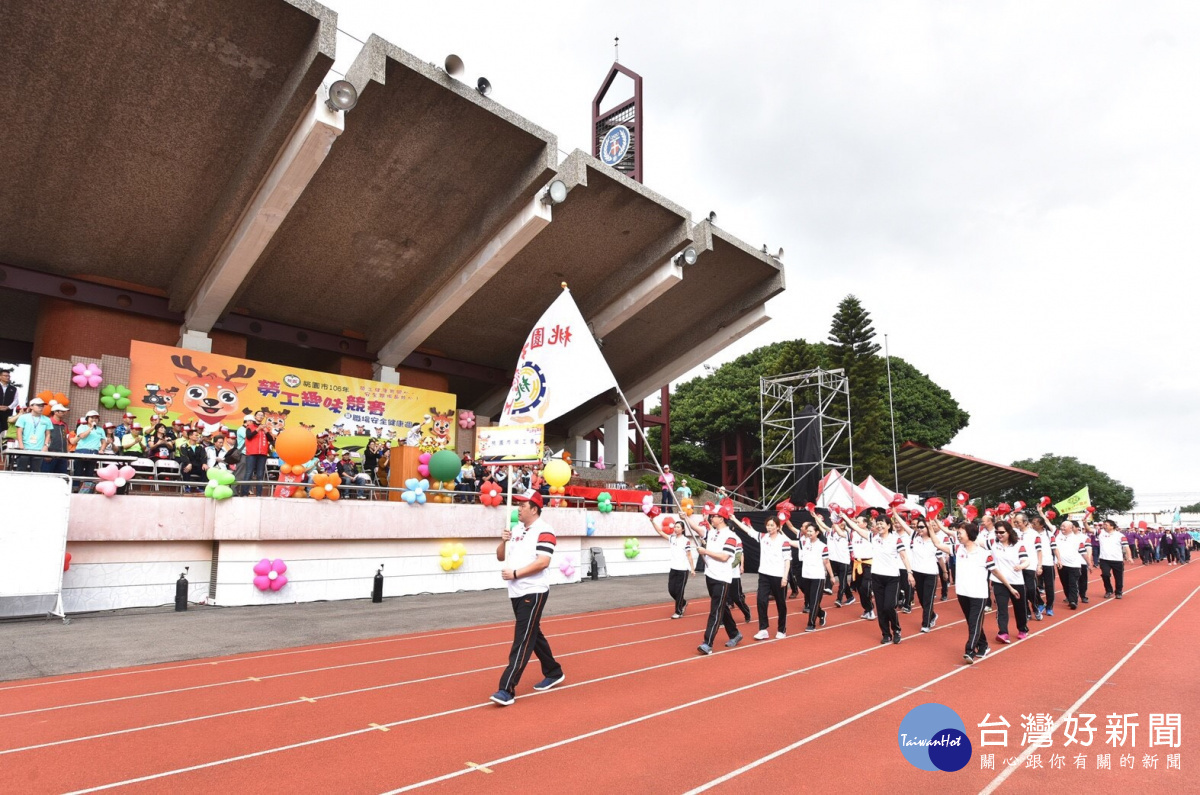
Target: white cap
56 406
37 401
92 413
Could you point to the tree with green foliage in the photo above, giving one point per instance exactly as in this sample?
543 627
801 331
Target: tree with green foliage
1193 508
852 347
1061 476
726 401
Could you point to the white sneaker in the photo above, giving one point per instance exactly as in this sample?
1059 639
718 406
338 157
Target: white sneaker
677 615
762 634
780 635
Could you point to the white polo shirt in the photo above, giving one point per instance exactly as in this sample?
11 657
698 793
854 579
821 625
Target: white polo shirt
972 569
772 553
886 552
1007 559
1029 540
1049 545
839 547
813 555
681 545
861 546
525 546
924 556
1070 549
723 540
1112 545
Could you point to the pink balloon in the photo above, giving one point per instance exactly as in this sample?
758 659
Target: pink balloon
128 473
278 582
107 488
261 582
263 567
80 381
423 458
279 566
423 470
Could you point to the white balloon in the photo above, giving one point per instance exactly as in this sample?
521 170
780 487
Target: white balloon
119 482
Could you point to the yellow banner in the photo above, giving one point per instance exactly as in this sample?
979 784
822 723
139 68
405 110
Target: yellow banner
218 391
1076 503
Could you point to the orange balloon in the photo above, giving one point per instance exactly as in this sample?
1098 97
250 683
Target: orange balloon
317 493
333 494
295 445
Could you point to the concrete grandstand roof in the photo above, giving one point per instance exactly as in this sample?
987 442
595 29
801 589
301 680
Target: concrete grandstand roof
142 128
426 168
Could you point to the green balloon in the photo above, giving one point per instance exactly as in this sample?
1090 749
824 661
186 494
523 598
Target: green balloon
221 492
444 465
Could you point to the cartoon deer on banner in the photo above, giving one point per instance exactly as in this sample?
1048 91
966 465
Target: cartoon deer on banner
211 398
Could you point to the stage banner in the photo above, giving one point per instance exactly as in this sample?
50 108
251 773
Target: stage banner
1076 503
510 444
559 368
173 383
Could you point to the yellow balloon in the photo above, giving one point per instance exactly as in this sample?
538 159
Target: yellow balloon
446 564
557 473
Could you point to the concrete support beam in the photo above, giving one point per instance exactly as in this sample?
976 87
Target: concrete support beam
485 263
636 298
194 340
385 374
305 151
616 443
581 451
694 357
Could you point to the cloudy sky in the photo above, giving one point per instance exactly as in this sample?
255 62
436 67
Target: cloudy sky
1010 188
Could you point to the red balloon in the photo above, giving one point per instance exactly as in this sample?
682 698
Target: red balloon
67 561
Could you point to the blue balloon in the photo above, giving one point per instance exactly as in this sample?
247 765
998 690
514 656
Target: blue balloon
412 483
591 524
424 485
409 497
421 497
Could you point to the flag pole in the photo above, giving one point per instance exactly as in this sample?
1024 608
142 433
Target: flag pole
892 411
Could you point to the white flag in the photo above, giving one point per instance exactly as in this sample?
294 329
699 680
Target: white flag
560 367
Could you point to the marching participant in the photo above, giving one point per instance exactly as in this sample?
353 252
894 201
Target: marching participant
1033 547
887 550
1114 552
1008 578
924 567
718 550
527 551
972 566
1046 537
682 566
904 598
774 563
860 546
837 537
814 557
1071 548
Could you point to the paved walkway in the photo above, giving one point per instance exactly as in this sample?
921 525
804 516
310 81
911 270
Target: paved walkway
32 648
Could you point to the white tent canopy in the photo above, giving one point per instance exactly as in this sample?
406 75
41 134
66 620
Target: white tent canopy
835 489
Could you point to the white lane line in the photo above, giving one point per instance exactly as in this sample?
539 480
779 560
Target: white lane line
316 649
356 691
1008 770
853 718
419 718
308 671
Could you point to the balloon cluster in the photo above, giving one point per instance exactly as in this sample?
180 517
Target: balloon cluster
269 574
50 398
649 508
325 487
686 506
632 548
220 484
113 477
513 519
567 567
591 524
115 396
443 466
441 487
452 556
414 493
466 419
604 503
490 495
87 376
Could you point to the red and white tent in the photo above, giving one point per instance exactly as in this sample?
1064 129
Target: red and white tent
835 489
880 495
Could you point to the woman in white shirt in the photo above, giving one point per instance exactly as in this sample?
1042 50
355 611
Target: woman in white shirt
774 562
837 538
887 550
924 568
814 563
1011 561
682 565
973 563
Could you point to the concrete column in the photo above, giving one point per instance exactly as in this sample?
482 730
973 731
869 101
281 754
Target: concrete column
388 375
580 450
616 443
194 340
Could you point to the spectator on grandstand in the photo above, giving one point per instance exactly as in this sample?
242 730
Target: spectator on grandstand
89 437
56 441
33 434
465 480
193 459
108 443
351 476
216 451
667 481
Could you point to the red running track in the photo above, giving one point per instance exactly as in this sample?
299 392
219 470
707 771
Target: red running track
639 708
